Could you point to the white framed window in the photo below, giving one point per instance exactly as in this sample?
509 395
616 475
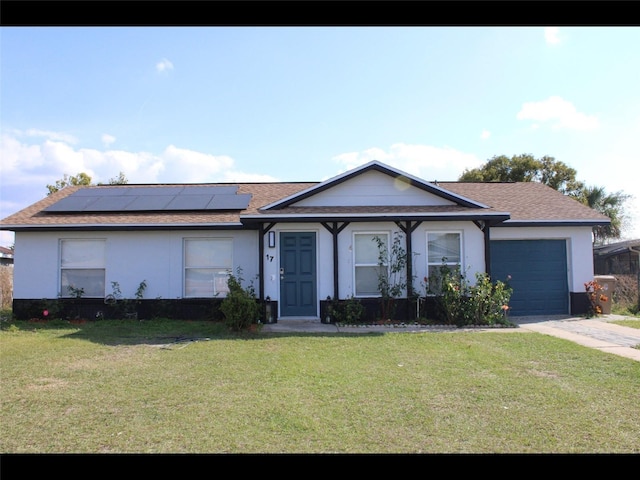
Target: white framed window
82 267
444 251
367 262
207 265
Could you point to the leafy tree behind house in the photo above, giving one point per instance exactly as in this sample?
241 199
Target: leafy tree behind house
83 179
79 179
527 168
561 177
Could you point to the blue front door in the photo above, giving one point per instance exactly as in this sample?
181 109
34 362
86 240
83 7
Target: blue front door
298 296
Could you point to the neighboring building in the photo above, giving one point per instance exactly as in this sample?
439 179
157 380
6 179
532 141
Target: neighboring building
6 256
301 243
617 258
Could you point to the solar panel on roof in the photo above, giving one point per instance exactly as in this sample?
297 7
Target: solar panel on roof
145 198
210 190
102 192
144 191
229 202
72 203
188 202
109 203
149 202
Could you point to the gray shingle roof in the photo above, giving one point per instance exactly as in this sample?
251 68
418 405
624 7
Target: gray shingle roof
525 202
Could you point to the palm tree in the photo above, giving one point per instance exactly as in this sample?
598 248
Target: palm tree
609 204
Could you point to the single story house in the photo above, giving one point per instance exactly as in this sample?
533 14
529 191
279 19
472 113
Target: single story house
6 256
299 244
617 258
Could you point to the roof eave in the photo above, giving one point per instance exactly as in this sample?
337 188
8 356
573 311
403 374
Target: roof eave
122 226
366 217
553 223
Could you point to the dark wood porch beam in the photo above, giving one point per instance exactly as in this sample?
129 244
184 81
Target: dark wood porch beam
408 228
487 249
261 260
334 229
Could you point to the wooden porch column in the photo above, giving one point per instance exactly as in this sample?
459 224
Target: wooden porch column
408 228
335 230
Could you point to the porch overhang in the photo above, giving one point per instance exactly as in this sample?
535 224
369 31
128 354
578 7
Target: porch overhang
490 219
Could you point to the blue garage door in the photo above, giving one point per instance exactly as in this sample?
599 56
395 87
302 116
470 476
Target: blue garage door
538 270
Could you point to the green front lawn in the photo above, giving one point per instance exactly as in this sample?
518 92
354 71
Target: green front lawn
628 322
191 387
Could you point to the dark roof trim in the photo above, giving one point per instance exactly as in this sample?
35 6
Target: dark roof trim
551 223
129 228
376 166
493 218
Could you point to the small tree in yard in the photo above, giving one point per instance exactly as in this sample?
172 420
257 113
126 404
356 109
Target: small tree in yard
239 307
391 281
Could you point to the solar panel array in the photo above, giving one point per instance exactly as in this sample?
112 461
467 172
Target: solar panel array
145 199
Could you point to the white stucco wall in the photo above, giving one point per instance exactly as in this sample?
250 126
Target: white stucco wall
579 248
156 257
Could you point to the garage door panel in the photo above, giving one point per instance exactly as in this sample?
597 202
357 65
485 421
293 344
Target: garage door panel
538 270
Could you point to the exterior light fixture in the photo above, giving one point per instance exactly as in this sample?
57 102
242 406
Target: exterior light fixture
272 239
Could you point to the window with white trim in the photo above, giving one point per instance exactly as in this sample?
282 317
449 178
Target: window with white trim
367 262
444 252
207 265
82 267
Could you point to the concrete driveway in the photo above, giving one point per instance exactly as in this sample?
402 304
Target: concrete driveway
597 332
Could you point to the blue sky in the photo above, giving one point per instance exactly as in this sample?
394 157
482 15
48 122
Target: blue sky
218 104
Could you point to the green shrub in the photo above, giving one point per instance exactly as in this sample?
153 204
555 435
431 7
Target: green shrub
348 311
484 303
240 307
6 315
123 307
488 303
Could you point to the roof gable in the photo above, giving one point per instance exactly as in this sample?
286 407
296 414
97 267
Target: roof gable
374 184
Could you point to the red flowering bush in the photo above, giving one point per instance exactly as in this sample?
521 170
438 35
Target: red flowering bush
596 297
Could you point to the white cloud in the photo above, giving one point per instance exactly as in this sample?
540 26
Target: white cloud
485 134
559 113
26 169
56 136
38 165
17 157
164 65
551 35
107 139
424 161
233 176
195 166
